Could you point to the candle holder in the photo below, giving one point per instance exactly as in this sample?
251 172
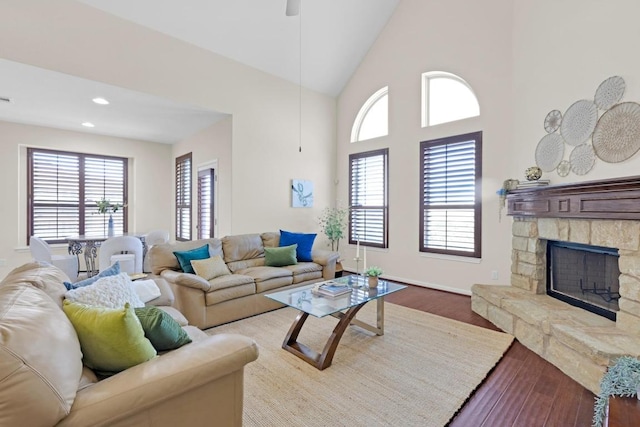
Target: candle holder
357 282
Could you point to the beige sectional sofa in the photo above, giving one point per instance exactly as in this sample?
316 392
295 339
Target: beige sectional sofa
43 381
207 303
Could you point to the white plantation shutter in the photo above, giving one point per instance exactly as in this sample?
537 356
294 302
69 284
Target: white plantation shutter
63 190
451 203
205 203
183 197
368 198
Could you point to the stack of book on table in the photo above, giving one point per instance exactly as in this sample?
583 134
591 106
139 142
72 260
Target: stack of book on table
331 289
532 184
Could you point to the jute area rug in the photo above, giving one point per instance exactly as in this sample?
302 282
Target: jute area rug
419 373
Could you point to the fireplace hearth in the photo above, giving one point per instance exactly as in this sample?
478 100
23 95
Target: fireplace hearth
594 227
584 276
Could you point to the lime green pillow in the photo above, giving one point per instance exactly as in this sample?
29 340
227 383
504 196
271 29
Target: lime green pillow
111 339
281 256
161 329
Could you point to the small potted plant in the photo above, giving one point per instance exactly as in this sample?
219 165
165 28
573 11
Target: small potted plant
105 206
373 273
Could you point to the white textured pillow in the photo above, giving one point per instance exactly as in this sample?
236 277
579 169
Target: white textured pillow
109 292
146 289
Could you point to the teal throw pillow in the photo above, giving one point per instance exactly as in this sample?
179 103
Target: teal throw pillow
161 329
185 257
279 257
304 242
114 270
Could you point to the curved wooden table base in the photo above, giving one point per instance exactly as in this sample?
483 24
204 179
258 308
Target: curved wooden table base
323 360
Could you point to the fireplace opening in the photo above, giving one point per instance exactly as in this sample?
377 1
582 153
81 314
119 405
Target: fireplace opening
584 276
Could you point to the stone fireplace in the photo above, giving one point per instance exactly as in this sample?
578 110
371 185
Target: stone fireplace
602 214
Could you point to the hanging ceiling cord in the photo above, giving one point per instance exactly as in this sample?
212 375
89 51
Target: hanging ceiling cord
300 78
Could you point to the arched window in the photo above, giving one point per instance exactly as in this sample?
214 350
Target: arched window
372 120
446 98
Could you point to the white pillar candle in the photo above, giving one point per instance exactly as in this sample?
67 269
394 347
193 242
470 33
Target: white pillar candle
358 249
364 263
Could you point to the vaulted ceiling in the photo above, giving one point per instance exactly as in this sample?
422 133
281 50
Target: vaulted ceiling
320 48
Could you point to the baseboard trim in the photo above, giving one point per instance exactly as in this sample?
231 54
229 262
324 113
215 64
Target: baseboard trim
423 284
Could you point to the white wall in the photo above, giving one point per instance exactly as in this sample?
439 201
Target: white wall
147 209
562 51
73 38
472 40
210 145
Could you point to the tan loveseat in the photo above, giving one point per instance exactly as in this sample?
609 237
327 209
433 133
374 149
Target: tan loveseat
240 294
44 383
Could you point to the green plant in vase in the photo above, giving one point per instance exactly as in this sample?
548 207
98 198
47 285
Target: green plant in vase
105 206
334 223
373 273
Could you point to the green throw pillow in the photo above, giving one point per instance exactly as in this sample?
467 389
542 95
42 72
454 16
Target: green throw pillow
281 256
161 329
111 340
185 257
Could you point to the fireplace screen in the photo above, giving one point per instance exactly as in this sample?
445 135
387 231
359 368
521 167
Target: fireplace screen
584 276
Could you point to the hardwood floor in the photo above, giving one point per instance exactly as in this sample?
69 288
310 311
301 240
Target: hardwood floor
523 390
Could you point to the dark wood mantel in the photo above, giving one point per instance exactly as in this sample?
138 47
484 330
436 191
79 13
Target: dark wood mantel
617 198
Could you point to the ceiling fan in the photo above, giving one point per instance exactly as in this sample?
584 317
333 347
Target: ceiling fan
293 8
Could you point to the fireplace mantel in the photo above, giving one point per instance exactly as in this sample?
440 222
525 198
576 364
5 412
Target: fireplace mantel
617 198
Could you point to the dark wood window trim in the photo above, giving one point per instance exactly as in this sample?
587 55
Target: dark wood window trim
445 190
62 190
368 222
184 170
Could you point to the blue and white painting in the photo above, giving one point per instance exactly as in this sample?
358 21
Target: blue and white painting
301 193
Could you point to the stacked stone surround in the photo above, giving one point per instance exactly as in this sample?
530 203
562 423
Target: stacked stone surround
580 343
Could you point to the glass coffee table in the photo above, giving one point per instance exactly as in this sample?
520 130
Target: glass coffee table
343 307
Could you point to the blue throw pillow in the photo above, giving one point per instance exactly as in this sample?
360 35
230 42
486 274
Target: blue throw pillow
304 242
111 271
185 257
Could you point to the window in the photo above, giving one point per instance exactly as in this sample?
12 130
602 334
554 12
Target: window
183 197
372 120
368 199
63 188
446 98
206 179
451 197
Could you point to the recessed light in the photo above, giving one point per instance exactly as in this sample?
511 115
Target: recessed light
100 101
88 125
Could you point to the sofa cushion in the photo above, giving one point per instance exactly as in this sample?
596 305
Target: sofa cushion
41 275
161 329
268 278
185 257
242 247
229 281
237 266
161 256
38 382
110 292
304 242
111 271
210 268
227 294
304 271
270 239
278 257
112 340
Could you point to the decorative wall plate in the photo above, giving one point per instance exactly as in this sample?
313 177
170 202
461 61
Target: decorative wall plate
552 121
617 134
564 168
579 121
610 92
549 152
582 159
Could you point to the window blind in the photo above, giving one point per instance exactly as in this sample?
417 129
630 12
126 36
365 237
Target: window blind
63 188
451 202
368 198
183 197
205 203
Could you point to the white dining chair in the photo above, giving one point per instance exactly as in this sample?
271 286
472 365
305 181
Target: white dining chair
125 249
41 251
